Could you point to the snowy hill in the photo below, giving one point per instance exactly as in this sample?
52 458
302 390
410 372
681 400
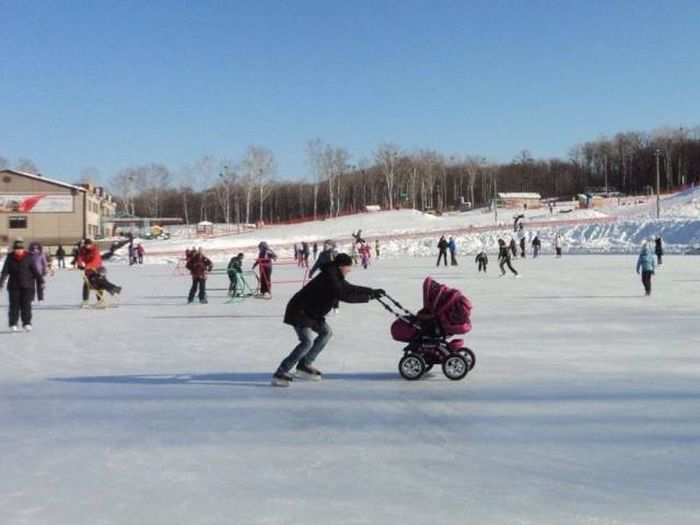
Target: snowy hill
614 229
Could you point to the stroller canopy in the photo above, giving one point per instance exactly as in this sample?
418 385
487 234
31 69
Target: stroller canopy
448 305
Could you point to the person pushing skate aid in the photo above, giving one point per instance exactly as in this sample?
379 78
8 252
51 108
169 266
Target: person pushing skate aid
306 313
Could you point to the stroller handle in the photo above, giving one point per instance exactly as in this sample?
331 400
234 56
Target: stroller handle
394 306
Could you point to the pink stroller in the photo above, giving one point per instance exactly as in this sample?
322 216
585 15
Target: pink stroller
445 313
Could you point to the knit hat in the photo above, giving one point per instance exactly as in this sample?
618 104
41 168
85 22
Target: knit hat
343 259
19 243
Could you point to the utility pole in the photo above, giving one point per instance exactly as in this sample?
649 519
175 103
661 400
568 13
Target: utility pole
658 183
495 193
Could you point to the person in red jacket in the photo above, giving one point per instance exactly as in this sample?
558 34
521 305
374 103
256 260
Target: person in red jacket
22 272
90 260
199 266
139 253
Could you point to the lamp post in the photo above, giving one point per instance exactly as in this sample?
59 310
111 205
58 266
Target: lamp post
226 182
658 183
495 191
130 178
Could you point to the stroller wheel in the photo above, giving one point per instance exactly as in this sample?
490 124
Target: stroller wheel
455 367
469 356
412 367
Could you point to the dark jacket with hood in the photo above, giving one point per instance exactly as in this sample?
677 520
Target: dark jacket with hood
310 305
199 265
19 266
235 265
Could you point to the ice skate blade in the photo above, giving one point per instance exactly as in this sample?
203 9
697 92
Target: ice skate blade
306 377
279 382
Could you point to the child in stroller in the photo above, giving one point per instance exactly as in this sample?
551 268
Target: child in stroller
445 313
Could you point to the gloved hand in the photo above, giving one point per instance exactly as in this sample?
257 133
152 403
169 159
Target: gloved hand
377 293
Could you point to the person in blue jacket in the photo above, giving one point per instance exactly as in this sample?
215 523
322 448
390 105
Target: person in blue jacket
452 246
645 264
327 255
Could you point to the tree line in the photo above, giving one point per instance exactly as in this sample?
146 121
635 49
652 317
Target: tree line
247 190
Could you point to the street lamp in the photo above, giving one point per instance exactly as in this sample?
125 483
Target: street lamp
227 184
658 183
131 178
495 190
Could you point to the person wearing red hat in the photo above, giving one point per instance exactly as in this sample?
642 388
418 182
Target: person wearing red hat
19 267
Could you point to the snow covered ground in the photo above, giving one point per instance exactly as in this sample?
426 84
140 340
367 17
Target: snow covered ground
614 229
582 408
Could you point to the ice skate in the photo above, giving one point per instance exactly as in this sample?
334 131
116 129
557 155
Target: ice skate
27 328
308 372
281 379
14 328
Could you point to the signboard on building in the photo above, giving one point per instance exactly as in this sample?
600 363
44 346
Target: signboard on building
35 203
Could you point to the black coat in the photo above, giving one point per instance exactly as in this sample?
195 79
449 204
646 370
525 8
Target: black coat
310 305
658 247
21 271
199 265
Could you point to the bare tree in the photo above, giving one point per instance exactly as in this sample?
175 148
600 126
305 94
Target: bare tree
127 183
314 161
386 157
90 175
258 166
204 171
27 166
224 189
336 163
473 166
155 178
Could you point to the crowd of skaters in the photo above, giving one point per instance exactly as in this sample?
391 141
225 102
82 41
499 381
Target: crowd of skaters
516 247
26 270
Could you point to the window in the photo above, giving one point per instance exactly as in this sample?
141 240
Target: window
17 222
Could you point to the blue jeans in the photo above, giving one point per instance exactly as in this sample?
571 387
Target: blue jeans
307 350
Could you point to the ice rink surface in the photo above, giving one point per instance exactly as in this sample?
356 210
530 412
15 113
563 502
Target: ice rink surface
584 406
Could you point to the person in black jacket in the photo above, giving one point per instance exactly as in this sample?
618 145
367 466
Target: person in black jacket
442 250
482 259
22 272
658 250
234 270
307 310
504 258
60 257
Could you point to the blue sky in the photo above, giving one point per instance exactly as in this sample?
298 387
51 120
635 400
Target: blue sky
111 84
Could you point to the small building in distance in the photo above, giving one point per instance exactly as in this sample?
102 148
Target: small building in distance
50 211
519 200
